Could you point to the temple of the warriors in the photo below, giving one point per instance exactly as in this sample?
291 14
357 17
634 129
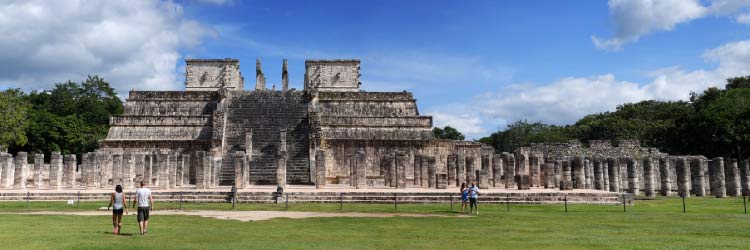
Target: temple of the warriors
332 133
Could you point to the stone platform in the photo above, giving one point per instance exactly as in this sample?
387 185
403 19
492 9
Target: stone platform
335 194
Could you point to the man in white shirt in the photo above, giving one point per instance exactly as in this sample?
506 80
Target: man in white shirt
473 195
145 204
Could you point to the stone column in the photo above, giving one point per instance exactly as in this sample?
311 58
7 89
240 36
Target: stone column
648 177
401 158
510 170
696 171
417 172
38 170
320 168
497 170
732 177
85 171
70 171
431 172
93 178
614 175
148 163
187 165
239 169
664 173
452 171
484 179
549 175
424 172
557 176
578 173
461 169
21 168
470 170
116 169
2 170
485 164
522 171
587 169
567 179
128 170
201 162
172 169
163 171
605 174
633 176
281 169
745 176
56 171
683 177
534 171
719 185
598 175
101 165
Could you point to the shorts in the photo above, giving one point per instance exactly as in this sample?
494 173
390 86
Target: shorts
473 202
465 199
117 211
143 214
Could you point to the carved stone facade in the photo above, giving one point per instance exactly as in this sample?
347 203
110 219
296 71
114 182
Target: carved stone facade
332 134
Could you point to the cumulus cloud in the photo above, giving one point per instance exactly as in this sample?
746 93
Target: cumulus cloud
633 19
132 44
468 123
566 100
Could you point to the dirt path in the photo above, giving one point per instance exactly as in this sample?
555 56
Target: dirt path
244 215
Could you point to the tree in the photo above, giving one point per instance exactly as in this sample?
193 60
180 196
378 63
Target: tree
72 117
523 133
447 132
13 119
738 82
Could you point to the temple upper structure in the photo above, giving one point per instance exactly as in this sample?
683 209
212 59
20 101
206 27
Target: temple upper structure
213 74
330 132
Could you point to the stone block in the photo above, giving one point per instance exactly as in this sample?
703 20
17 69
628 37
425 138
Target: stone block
484 179
56 171
431 172
497 170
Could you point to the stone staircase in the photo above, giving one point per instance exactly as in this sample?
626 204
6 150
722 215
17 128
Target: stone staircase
336 197
266 113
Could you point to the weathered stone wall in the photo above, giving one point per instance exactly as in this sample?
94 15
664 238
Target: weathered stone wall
213 75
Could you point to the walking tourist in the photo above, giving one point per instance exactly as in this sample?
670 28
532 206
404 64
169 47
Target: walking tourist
464 197
473 195
145 204
118 200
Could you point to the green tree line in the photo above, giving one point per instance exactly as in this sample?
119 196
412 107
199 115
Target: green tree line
70 118
713 123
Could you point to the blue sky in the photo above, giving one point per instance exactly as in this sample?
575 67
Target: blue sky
475 65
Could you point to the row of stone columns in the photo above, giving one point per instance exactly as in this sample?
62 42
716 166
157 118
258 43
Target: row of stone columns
105 170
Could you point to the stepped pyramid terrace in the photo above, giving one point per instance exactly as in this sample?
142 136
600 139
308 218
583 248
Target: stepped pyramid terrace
331 135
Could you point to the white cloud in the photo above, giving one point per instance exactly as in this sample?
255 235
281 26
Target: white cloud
743 18
132 44
635 18
468 123
569 99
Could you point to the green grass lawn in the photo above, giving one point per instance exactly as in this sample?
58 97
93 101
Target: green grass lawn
654 224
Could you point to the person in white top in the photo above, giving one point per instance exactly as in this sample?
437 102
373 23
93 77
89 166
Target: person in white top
118 200
145 204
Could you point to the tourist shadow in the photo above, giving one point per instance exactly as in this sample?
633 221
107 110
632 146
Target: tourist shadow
121 234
